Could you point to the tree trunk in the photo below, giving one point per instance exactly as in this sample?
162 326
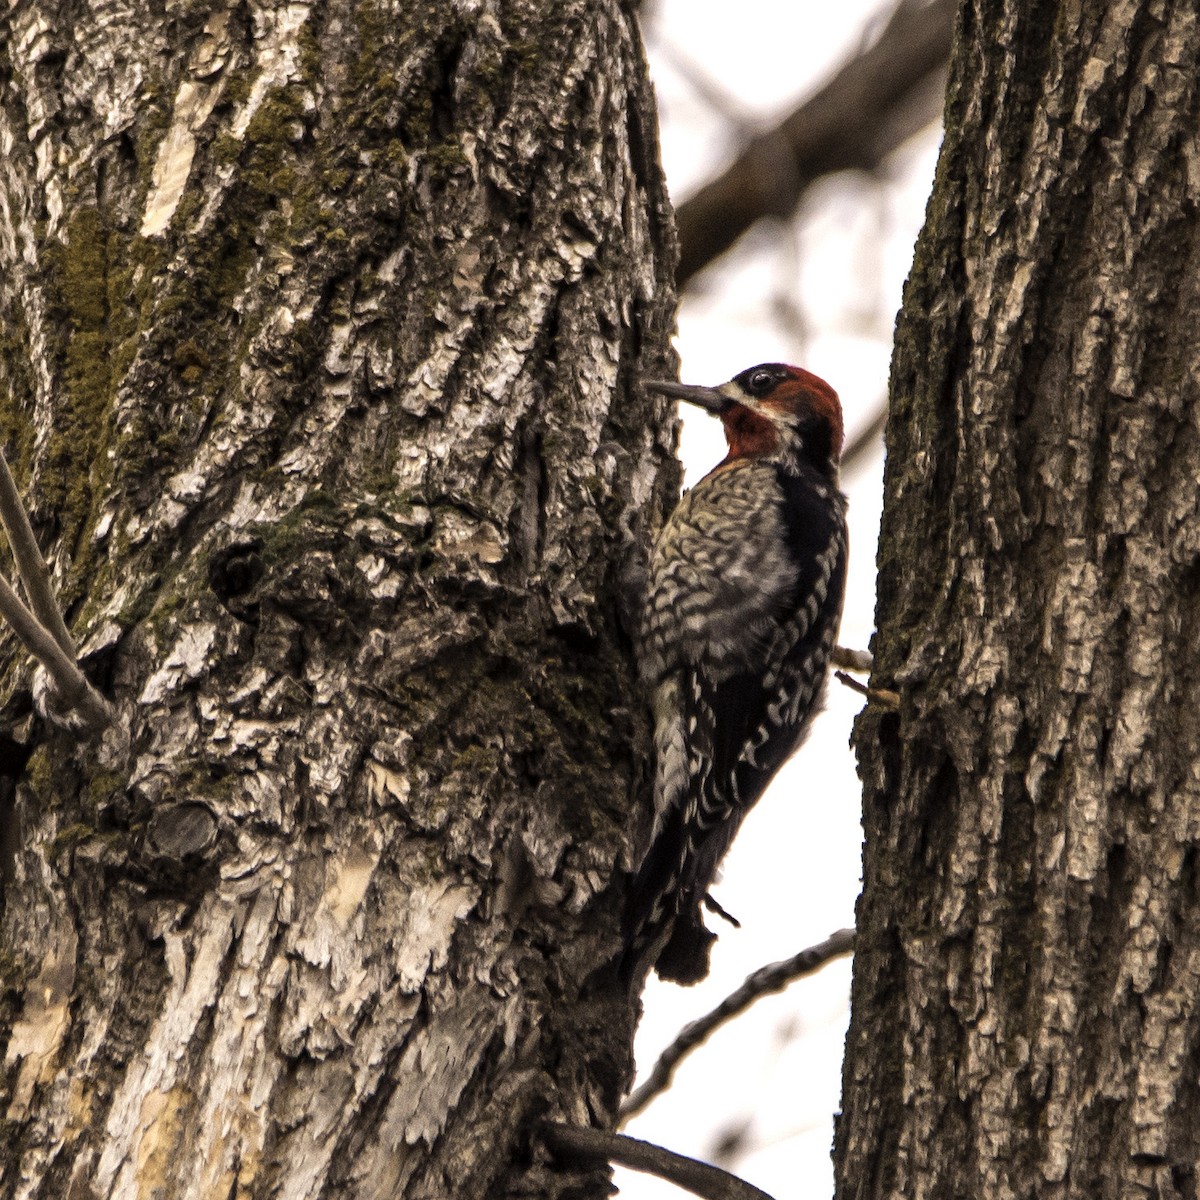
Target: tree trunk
321 325
1026 1004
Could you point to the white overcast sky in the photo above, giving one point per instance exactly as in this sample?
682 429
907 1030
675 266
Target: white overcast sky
823 294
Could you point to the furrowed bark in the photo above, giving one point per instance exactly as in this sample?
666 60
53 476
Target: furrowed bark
321 331
1025 1015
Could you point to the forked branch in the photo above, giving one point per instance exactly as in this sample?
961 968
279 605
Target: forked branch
42 631
861 115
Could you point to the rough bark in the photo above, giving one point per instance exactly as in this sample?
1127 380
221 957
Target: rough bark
1026 1001
320 329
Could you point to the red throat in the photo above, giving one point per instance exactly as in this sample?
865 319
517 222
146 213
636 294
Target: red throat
748 433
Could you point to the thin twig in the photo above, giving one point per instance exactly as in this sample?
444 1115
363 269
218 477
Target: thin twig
851 660
881 696
764 982
42 631
866 439
70 682
31 566
725 103
701 1179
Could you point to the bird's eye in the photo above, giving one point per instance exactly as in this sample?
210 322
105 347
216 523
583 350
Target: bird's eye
761 382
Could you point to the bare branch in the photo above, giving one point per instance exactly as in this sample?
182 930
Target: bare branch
70 684
882 696
30 564
42 631
869 108
725 104
764 982
701 1179
866 440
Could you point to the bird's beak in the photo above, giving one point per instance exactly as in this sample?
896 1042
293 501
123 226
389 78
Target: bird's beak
706 398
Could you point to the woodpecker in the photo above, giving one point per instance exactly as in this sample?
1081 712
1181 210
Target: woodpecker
744 596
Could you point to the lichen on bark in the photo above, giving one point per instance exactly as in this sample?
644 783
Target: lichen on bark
331 319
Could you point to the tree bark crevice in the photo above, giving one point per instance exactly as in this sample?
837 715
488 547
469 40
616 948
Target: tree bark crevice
1023 997
326 324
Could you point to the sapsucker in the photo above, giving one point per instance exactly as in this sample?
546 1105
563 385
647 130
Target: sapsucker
744 596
